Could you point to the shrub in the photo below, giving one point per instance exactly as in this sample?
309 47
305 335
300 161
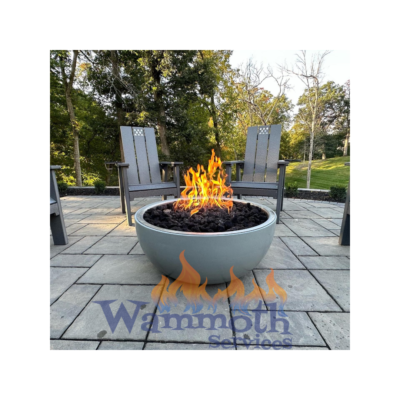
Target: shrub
62 188
89 178
99 187
292 190
338 192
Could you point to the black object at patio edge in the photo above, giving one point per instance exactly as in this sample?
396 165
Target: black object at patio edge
56 215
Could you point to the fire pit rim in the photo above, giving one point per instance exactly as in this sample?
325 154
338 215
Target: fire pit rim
140 213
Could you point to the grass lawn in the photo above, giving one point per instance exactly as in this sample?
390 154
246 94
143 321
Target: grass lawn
324 173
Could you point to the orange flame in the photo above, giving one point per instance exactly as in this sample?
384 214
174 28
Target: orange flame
236 287
204 189
189 284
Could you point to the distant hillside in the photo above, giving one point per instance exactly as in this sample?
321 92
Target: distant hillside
324 173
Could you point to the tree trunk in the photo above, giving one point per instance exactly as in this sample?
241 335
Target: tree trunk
216 128
118 98
68 84
158 98
346 145
162 129
310 156
77 159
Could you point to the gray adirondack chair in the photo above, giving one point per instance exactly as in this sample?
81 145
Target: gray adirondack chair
56 215
139 175
344 238
260 166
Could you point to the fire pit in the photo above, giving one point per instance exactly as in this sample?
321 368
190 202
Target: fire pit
215 232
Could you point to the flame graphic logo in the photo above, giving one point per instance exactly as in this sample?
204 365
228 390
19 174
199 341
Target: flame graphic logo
164 293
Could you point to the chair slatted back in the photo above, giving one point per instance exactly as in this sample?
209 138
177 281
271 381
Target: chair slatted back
262 153
140 152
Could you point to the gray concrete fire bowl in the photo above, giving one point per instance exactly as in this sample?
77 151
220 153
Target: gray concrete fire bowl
210 254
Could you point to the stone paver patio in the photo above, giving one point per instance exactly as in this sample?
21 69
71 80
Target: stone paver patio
103 261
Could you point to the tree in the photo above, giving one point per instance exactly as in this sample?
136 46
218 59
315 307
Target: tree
298 141
344 122
118 95
215 90
262 107
98 138
194 99
332 119
258 106
155 64
336 111
108 80
68 77
311 75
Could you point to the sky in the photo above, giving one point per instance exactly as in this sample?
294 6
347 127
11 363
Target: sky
336 66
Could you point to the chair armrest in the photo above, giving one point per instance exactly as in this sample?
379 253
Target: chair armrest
53 167
283 162
233 162
239 164
172 163
117 164
175 164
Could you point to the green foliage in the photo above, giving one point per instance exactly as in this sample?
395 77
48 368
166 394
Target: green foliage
89 178
332 123
338 192
325 173
195 94
98 129
62 188
292 189
99 187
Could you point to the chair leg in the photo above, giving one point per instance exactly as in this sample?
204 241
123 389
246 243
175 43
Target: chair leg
128 211
283 195
278 205
278 210
58 229
121 190
281 189
177 181
228 174
164 177
127 198
344 238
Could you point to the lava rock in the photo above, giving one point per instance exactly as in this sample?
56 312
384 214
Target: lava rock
242 216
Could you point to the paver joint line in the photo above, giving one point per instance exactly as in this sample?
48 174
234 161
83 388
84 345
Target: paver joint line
313 223
315 326
81 310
